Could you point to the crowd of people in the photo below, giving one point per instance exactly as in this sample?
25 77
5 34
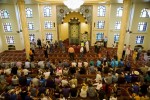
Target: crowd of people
99 79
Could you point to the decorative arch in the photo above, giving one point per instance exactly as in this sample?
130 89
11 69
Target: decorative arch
71 15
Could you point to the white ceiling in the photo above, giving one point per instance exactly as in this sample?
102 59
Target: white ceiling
60 1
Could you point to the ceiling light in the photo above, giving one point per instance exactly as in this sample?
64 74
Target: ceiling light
73 4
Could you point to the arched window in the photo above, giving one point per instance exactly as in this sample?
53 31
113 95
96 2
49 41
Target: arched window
100 24
142 26
99 36
4 14
49 36
31 37
28 12
101 11
119 11
116 37
144 13
47 11
48 25
7 27
30 26
118 25
10 40
139 39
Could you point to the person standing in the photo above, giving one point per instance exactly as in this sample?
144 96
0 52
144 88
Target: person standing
33 46
87 46
95 47
31 55
124 51
81 52
45 51
98 46
105 41
39 43
134 56
127 52
71 52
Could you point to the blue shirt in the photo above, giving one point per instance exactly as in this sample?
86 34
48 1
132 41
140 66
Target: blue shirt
98 64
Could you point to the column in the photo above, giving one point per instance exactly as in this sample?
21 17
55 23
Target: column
40 6
25 32
124 23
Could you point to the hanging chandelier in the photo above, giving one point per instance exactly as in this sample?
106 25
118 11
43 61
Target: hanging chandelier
73 4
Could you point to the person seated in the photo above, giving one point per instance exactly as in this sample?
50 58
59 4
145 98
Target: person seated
41 64
73 81
65 71
27 64
57 92
91 91
121 79
15 80
83 92
128 78
58 80
82 70
59 71
73 91
72 70
66 91
92 69
64 82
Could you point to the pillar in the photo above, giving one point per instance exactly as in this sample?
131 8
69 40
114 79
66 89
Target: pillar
21 5
41 7
124 23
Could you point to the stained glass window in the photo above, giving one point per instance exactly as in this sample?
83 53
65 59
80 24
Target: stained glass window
7 27
49 36
10 40
31 37
4 14
99 36
142 26
30 26
28 12
118 25
144 13
119 11
48 25
101 11
100 24
47 11
116 37
139 39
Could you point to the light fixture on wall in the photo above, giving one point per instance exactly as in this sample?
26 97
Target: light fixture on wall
73 4
128 31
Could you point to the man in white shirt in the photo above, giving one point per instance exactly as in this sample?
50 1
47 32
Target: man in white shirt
35 81
27 64
7 71
74 64
127 52
98 77
41 64
25 71
64 82
81 52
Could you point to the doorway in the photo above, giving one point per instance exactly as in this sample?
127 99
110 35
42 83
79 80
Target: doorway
74 31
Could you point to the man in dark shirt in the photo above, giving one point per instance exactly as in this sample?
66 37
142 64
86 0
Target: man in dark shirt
23 80
73 91
14 70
